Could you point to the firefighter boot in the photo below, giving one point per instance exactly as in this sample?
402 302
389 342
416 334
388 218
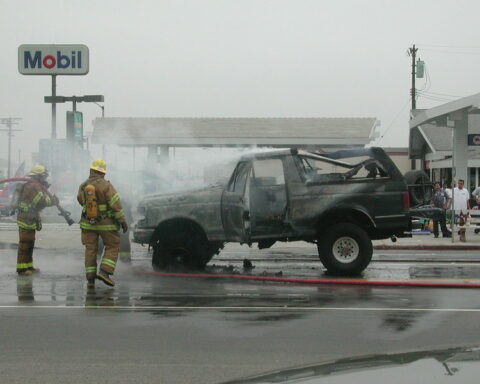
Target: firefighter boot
105 277
34 270
27 272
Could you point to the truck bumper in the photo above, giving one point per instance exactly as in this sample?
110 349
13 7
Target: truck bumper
427 212
142 235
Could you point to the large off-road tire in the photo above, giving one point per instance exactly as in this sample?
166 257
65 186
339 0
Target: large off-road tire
420 187
181 249
345 249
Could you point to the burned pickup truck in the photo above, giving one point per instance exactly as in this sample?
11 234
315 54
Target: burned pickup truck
339 201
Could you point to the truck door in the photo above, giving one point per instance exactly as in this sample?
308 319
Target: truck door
235 205
268 199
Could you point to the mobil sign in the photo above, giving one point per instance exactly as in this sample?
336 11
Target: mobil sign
57 59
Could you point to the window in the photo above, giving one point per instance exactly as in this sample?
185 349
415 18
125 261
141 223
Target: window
239 179
317 170
268 172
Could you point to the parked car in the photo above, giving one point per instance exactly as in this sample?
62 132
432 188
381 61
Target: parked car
340 201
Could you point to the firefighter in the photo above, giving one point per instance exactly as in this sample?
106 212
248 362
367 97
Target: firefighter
102 215
30 200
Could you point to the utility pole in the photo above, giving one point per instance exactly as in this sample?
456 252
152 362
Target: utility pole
54 107
413 53
9 122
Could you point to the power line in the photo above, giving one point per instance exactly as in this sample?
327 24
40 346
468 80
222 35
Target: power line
393 120
433 94
435 98
441 94
451 46
450 52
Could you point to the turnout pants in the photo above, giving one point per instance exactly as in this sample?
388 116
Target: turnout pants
443 226
111 240
26 242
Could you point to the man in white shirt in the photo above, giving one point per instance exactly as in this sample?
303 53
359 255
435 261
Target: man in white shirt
460 198
448 189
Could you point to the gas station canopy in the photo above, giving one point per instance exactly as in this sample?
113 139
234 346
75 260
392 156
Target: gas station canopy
235 132
451 120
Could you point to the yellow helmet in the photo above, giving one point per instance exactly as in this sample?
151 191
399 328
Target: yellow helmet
99 165
38 170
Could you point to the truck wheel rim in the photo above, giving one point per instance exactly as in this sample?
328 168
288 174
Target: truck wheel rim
345 249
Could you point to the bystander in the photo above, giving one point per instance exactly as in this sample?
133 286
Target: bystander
440 199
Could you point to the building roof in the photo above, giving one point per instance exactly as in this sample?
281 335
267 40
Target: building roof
432 138
429 132
440 112
205 132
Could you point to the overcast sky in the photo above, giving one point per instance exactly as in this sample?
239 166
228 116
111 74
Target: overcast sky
240 58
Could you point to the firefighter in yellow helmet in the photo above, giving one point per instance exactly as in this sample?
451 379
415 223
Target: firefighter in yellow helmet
30 200
102 216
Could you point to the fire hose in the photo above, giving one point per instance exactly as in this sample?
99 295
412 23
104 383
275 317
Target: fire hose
61 211
316 281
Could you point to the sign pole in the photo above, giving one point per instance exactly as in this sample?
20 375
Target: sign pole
54 107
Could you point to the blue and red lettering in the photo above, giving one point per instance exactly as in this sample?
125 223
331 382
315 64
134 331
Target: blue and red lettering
59 61
33 62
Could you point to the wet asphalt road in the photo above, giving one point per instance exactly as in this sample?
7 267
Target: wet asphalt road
153 329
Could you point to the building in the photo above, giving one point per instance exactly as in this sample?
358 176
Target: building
449 133
163 133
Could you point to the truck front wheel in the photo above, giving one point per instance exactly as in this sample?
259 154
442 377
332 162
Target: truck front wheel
344 249
182 249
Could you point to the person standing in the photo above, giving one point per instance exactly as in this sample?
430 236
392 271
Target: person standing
441 200
102 215
476 198
448 189
30 200
460 198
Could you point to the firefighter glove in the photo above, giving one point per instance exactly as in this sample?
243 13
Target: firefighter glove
124 226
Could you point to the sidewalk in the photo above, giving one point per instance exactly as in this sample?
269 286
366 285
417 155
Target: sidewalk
429 242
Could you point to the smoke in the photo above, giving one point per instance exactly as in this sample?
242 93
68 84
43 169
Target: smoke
137 171
137 165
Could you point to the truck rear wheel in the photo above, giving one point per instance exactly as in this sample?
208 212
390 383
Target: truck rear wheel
181 249
420 187
345 249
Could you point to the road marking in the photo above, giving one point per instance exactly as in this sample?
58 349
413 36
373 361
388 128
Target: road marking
240 308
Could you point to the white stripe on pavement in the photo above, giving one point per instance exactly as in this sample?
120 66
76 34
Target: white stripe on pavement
266 308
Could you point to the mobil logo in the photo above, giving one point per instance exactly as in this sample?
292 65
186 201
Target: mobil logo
34 60
55 59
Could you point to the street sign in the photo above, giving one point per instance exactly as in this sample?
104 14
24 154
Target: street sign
93 99
74 127
55 59
474 139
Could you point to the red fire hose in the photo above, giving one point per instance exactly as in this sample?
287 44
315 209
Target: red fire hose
62 212
358 282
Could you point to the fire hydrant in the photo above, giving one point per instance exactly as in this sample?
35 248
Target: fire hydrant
461 224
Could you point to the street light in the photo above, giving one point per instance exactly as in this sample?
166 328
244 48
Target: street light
75 99
101 106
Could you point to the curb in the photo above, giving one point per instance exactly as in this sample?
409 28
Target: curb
428 247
